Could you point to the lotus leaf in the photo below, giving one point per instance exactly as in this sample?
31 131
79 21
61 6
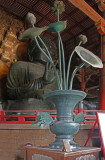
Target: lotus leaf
88 57
32 32
57 26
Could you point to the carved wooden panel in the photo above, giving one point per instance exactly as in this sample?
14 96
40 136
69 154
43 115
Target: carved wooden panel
40 157
84 153
86 157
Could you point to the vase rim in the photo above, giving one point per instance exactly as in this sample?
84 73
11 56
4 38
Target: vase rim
64 92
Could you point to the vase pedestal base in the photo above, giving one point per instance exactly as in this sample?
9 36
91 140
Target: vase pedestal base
43 153
58 143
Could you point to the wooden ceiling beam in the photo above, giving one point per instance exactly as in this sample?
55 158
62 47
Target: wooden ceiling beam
90 12
87 9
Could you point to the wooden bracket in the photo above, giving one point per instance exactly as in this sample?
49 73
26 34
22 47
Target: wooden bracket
100 27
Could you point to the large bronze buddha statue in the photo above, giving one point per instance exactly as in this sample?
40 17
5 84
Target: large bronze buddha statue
28 81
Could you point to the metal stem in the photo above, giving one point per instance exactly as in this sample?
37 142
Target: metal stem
56 74
59 52
46 48
63 59
69 64
58 14
73 74
60 67
49 58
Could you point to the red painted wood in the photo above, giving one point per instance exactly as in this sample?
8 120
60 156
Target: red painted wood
102 76
101 138
22 119
100 27
102 143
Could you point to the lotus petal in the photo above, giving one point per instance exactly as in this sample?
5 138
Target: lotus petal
30 18
32 32
88 57
57 26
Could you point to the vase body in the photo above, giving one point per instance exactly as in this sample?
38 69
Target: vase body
64 127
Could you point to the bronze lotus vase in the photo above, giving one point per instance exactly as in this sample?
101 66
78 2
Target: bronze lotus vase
64 127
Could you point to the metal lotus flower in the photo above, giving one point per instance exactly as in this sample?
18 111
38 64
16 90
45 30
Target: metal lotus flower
57 26
65 127
30 19
32 32
58 5
89 57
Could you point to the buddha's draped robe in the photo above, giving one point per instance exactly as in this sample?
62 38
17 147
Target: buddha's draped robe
22 81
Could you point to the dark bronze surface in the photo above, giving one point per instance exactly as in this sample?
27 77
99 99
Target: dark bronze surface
27 80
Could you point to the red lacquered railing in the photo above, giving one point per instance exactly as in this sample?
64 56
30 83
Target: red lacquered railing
29 116
22 116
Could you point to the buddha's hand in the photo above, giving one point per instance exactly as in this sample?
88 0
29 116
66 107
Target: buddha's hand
49 75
